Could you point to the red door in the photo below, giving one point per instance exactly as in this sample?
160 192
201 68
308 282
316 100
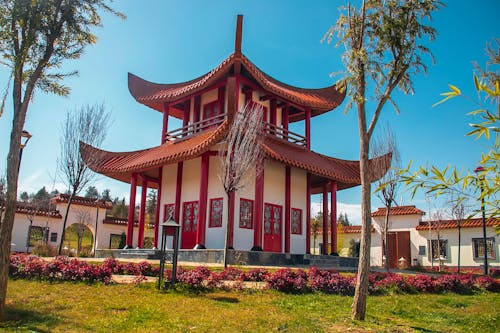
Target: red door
189 223
272 228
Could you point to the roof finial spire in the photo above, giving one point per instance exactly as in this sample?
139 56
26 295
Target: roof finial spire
237 41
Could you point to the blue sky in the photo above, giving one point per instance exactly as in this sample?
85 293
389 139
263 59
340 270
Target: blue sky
175 41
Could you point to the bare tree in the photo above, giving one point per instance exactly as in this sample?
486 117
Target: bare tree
88 124
459 211
388 185
242 152
435 224
383 50
84 220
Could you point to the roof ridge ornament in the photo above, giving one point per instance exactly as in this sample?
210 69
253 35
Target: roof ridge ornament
238 36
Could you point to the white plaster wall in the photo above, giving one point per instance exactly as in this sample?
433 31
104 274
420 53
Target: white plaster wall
214 236
466 248
397 223
21 226
274 191
105 230
243 238
298 184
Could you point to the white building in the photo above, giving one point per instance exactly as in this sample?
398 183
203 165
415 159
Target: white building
41 224
416 241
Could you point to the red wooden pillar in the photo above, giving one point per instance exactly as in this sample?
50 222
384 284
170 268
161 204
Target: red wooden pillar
333 217
164 128
324 249
258 207
157 212
197 110
202 203
178 192
272 114
131 211
285 117
308 213
308 128
142 214
185 116
221 94
231 221
287 208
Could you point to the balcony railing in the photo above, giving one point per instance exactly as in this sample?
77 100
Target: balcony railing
205 124
285 134
193 128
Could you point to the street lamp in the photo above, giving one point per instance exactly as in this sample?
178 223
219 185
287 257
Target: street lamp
480 172
171 228
25 137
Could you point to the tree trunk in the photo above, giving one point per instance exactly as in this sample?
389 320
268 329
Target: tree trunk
11 196
359 303
226 238
63 232
386 227
460 244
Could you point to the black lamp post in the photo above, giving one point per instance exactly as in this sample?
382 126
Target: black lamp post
478 171
169 227
25 137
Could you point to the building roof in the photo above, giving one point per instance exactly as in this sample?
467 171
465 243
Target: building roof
123 221
351 229
29 209
82 201
453 224
155 95
121 165
399 210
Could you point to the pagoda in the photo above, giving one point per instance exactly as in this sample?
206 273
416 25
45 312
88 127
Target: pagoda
272 213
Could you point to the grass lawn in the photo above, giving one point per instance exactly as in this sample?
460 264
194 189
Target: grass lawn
66 307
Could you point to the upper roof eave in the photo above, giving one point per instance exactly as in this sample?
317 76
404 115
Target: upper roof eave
155 95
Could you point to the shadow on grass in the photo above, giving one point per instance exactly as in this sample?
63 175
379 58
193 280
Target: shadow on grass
225 299
28 319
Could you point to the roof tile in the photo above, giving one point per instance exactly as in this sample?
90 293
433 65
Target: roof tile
399 210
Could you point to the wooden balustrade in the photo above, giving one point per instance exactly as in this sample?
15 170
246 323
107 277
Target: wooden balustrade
200 126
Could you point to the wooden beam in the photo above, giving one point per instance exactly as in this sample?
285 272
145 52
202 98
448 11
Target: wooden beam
157 212
202 202
308 213
131 211
287 207
239 34
324 249
142 215
333 217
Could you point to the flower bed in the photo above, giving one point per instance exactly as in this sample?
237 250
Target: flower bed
285 280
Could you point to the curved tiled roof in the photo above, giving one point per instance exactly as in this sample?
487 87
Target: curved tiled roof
345 172
453 224
82 201
155 95
399 210
121 165
26 208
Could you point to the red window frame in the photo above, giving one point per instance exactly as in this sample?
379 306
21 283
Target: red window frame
216 217
166 209
249 217
296 221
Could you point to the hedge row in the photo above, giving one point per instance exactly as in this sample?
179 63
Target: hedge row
285 280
